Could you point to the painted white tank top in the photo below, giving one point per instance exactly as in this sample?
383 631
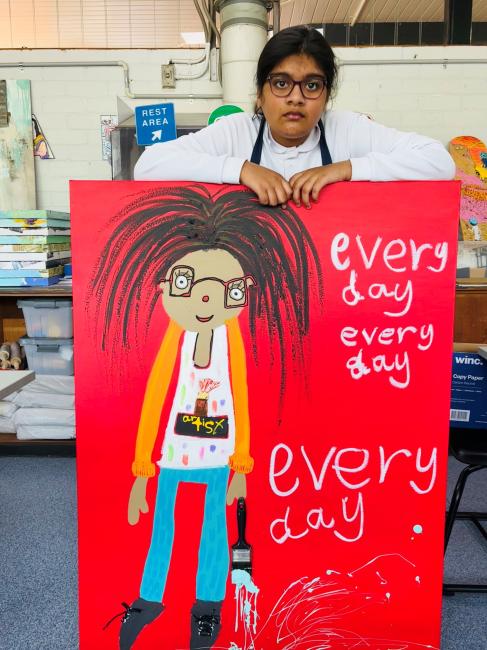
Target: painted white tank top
200 432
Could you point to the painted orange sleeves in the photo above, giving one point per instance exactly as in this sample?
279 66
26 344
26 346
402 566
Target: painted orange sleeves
240 461
155 395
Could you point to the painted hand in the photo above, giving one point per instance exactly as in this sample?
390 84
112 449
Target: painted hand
137 500
307 185
271 188
237 488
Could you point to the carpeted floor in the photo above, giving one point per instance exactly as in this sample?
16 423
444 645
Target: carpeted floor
38 572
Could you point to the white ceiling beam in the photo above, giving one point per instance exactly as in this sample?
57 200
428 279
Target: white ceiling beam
358 12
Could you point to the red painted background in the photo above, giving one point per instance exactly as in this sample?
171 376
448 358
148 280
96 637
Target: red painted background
319 591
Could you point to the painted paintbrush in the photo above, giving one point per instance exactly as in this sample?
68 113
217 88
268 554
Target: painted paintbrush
241 551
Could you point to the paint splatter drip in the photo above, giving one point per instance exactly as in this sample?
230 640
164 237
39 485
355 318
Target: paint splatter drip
246 592
313 608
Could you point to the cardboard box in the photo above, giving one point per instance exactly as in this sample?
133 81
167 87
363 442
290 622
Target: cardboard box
13 328
469 390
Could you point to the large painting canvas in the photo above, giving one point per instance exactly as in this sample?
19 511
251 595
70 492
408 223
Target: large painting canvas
283 368
17 175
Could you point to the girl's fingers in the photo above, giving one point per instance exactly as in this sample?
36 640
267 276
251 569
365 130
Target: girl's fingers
271 193
305 191
297 191
318 186
281 194
287 187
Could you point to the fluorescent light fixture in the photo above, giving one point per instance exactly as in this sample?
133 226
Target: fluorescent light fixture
193 38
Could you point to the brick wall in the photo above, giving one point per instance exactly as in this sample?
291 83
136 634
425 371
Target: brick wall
437 100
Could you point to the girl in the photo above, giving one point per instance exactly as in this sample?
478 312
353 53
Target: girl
292 147
211 257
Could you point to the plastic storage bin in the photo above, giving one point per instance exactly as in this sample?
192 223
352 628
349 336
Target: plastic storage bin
52 356
48 318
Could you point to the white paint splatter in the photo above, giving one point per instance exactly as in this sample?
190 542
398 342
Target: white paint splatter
246 592
306 614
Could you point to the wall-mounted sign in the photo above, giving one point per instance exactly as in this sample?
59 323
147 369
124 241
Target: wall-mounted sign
155 123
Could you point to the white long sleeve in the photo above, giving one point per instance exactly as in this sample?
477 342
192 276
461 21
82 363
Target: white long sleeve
210 155
377 153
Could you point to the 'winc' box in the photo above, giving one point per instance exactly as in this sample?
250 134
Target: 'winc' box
469 391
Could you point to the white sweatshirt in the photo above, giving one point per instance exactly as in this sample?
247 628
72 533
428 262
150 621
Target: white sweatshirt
377 153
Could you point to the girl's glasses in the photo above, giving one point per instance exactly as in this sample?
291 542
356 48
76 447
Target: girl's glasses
181 282
282 85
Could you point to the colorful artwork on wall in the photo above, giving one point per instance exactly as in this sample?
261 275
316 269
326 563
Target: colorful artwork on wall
42 148
17 176
470 156
262 399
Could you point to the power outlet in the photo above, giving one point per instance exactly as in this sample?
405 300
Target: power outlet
168 76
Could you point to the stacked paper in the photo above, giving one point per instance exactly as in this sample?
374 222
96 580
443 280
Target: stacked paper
34 246
45 409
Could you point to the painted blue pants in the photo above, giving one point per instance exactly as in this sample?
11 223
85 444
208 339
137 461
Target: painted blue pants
213 557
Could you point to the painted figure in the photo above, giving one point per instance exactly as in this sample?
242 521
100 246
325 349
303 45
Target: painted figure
210 256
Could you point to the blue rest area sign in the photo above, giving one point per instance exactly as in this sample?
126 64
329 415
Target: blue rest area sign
155 123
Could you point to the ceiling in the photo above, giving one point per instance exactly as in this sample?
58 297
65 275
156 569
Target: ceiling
166 23
295 12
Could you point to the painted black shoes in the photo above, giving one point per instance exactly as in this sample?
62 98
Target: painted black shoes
205 624
137 616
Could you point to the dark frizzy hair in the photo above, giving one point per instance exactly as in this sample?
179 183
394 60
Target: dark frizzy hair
160 226
300 39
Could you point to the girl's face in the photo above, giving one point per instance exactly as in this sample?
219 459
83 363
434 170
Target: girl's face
291 119
204 289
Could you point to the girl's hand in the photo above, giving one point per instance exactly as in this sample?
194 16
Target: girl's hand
137 500
237 488
271 188
307 185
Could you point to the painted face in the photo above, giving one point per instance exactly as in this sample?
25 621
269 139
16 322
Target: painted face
204 289
291 119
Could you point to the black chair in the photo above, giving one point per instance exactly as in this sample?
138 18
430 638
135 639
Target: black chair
469 446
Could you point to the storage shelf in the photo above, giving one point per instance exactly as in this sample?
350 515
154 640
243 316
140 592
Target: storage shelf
51 291
9 444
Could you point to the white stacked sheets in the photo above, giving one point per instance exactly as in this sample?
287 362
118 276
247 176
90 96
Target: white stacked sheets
45 409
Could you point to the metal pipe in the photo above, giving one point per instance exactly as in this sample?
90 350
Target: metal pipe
203 22
211 23
276 17
410 61
193 61
194 75
111 64
244 27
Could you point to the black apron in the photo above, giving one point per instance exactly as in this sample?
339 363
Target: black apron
257 150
